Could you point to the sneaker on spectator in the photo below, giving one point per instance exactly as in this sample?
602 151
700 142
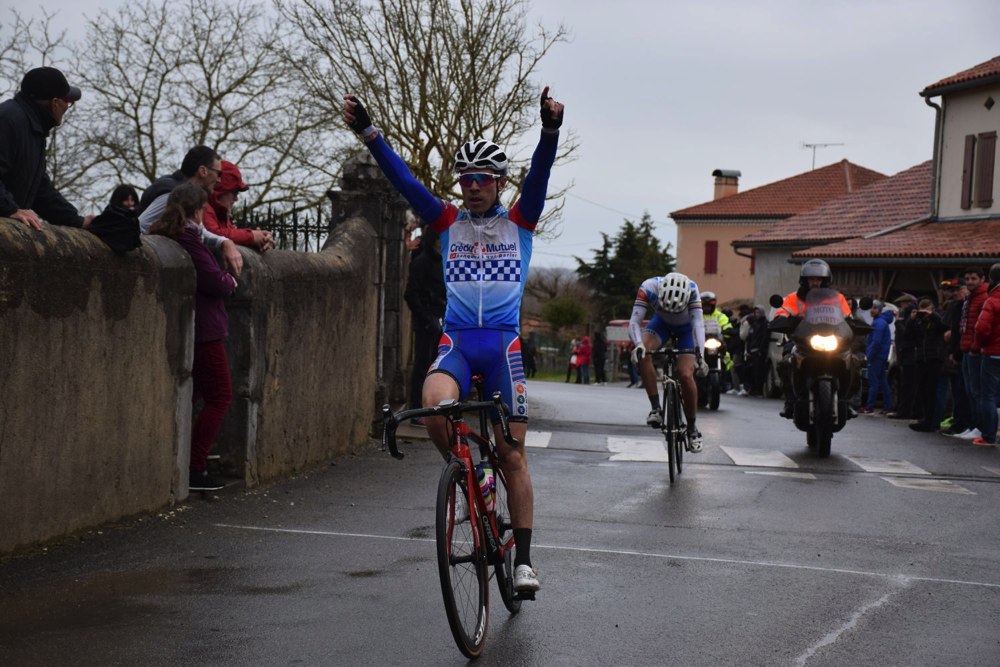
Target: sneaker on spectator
982 443
865 411
952 430
743 392
654 419
694 441
200 480
418 422
971 434
733 392
946 422
525 579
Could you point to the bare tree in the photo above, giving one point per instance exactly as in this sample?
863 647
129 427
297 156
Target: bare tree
433 73
167 75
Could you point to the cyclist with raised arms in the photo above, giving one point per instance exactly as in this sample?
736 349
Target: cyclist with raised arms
676 314
487 251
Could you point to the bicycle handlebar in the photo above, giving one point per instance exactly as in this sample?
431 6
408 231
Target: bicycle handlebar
448 408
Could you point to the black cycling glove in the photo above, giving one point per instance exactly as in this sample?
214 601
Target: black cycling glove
362 121
550 120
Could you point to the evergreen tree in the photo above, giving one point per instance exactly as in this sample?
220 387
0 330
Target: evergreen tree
622 263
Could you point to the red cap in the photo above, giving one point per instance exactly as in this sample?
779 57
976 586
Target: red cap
230 180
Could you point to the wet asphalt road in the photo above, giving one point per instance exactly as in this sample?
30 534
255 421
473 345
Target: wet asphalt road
886 553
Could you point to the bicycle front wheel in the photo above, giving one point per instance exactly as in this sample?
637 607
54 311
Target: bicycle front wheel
504 568
461 564
670 421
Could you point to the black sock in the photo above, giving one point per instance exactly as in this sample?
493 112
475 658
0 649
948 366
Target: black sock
654 400
522 545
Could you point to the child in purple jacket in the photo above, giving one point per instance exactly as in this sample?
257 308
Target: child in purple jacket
182 222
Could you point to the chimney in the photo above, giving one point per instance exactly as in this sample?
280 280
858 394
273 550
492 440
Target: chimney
727 182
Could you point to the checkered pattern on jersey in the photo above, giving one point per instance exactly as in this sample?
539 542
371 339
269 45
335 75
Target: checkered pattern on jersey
506 270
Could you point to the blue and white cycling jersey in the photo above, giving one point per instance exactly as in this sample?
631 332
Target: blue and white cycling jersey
486 258
688 326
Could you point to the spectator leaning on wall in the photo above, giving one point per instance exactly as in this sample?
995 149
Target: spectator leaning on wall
26 193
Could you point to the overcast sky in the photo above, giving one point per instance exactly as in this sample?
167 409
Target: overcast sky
662 93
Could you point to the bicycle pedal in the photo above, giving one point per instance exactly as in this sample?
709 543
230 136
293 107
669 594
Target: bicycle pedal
524 595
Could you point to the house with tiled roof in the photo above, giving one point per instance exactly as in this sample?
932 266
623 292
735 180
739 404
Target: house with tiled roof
918 227
706 232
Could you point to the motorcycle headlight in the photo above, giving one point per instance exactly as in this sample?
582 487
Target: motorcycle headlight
823 343
712 344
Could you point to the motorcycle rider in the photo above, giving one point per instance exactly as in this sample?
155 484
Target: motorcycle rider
718 322
677 313
814 273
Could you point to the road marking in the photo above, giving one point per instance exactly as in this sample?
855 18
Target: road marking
928 485
759 458
631 449
537 438
891 466
782 473
832 637
995 471
899 577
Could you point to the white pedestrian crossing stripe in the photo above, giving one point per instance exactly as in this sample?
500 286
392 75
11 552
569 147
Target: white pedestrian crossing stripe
995 471
892 466
537 438
928 485
782 473
632 449
759 458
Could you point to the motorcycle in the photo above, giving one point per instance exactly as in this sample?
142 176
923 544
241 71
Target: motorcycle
822 365
710 386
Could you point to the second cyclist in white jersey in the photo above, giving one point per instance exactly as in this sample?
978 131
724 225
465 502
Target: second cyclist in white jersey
676 314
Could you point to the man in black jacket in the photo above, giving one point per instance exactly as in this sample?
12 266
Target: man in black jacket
26 193
426 297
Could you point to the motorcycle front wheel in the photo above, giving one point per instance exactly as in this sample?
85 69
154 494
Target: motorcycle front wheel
823 417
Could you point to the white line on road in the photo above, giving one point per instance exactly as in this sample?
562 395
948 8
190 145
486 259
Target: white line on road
782 473
631 449
848 625
641 554
890 466
759 458
995 471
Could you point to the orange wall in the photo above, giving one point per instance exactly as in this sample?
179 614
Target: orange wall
732 279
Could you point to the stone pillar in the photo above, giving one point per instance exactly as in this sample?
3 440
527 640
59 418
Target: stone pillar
365 192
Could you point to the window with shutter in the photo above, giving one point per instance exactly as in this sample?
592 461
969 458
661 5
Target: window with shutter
967 161
985 158
711 257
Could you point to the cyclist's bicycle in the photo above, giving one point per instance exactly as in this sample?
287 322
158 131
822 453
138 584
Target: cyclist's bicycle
674 425
473 530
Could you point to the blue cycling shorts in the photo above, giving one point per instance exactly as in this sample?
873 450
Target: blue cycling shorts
492 353
683 334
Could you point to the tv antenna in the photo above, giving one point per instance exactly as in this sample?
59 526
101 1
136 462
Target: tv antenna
814 147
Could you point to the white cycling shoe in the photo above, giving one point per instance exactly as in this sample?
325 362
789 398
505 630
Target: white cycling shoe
526 579
654 419
694 441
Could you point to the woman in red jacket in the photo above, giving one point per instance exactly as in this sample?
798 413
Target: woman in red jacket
987 338
182 222
583 360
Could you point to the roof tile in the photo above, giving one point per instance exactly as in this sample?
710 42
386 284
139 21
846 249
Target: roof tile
787 197
978 238
981 71
891 201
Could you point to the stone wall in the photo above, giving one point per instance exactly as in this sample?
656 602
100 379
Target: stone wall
95 371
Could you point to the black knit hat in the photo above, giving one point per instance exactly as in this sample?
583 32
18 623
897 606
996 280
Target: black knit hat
46 83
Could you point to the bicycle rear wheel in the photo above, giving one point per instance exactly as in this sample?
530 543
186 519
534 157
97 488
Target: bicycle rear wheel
461 565
504 569
670 427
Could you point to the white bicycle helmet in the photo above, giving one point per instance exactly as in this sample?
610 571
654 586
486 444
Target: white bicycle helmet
674 293
481 154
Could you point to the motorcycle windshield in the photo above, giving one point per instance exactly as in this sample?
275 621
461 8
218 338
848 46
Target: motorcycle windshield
823 314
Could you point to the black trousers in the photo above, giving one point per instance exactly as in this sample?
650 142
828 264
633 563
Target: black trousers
425 343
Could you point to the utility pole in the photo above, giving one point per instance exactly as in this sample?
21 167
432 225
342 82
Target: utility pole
814 147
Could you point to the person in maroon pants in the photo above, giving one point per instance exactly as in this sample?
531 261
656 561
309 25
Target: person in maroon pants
181 221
